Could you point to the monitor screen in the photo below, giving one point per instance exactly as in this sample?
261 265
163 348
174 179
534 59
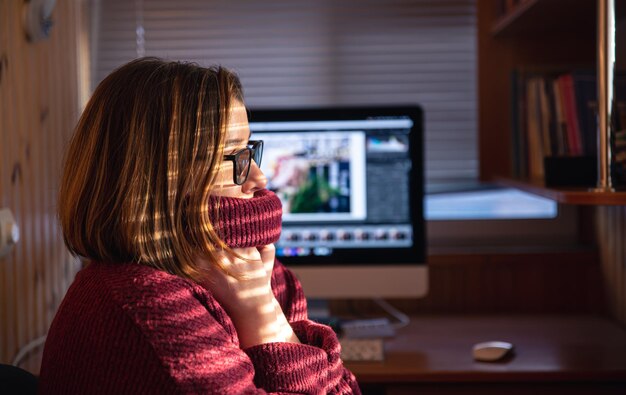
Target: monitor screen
350 181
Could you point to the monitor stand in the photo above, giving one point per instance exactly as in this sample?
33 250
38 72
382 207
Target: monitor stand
363 281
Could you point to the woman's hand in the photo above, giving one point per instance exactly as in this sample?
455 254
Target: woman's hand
249 301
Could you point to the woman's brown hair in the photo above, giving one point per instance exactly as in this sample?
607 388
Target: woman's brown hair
142 163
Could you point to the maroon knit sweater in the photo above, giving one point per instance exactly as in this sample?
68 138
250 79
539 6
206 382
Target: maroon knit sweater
132 329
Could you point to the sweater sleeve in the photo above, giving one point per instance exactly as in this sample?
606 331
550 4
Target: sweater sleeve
197 344
196 350
289 293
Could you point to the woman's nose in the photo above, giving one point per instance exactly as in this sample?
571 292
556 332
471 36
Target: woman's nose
256 180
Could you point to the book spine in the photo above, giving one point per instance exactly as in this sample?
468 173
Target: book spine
516 132
547 137
584 84
533 116
571 118
559 119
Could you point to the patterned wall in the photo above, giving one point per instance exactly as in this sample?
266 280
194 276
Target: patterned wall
39 106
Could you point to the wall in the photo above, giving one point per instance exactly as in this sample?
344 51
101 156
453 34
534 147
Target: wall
611 235
505 280
39 106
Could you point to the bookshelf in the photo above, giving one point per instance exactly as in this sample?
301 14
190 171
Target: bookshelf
523 34
578 196
536 17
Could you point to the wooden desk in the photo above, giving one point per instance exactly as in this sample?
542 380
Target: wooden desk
554 354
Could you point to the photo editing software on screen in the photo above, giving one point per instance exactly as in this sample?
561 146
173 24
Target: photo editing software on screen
346 185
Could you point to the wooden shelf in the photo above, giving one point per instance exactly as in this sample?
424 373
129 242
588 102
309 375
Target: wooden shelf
533 17
539 17
579 196
511 17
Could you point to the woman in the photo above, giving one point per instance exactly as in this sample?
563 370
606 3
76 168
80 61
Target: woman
162 194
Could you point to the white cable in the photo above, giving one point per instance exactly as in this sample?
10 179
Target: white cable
397 314
24 351
140 32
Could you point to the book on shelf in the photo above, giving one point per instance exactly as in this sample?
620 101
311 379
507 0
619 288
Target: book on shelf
538 139
518 123
619 145
554 115
571 113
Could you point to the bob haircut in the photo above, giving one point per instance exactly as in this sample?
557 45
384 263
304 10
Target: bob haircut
142 163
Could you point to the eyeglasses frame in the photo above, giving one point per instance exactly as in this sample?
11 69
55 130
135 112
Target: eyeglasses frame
255 148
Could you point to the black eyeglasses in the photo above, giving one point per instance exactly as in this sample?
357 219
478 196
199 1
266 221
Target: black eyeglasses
242 160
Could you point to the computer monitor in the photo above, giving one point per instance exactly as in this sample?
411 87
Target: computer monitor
351 184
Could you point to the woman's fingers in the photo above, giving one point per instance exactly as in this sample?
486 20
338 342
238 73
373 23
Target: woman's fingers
268 255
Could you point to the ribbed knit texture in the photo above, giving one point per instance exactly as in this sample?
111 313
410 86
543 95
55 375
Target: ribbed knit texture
132 329
247 222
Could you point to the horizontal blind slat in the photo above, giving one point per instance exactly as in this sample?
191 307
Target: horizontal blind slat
292 53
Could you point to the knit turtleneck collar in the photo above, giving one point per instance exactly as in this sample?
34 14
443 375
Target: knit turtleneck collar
247 222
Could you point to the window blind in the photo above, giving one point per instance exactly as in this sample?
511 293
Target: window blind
293 53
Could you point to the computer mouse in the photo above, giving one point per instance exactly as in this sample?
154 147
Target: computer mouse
492 351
